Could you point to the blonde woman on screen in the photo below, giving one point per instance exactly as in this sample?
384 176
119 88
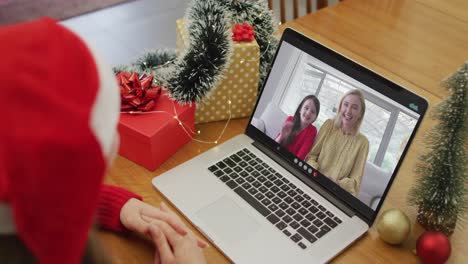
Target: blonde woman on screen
340 150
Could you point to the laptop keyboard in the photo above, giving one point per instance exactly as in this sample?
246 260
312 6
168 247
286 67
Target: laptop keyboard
292 211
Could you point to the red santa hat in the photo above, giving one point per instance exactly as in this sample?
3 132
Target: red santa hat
60 107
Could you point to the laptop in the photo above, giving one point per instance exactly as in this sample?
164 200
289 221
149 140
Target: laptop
260 202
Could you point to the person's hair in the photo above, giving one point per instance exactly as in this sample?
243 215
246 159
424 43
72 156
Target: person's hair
337 120
14 251
297 118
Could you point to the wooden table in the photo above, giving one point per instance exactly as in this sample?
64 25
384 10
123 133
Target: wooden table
415 43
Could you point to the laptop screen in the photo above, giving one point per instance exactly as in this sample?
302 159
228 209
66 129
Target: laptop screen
339 123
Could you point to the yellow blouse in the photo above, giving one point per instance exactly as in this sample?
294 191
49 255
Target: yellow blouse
340 157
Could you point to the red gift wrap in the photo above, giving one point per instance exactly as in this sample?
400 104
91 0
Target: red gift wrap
150 138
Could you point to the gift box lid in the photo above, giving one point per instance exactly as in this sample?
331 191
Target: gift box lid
143 126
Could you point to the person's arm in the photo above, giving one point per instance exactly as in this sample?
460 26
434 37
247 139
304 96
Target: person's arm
111 200
120 210
312 158
278 138
285 130
307 142
352 183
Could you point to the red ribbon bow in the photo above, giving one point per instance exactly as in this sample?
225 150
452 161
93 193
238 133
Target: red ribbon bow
243 32
137 93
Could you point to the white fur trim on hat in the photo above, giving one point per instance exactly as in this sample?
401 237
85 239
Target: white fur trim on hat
106 108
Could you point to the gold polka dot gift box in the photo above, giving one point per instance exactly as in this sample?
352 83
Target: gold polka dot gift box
236 94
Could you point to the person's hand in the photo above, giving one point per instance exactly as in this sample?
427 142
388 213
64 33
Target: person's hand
137 216
286 129
174 248
166 209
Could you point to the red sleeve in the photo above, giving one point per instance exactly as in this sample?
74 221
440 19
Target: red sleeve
111 200
309 139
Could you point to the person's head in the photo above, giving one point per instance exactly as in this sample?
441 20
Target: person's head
351 111
306 113
61 105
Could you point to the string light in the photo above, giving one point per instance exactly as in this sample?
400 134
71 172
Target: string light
261 55
186 128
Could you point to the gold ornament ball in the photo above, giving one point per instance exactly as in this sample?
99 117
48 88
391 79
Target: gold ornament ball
393 226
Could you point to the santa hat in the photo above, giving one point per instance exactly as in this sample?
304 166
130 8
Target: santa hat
60 108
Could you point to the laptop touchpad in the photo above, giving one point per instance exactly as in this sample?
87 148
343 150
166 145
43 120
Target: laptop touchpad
228 221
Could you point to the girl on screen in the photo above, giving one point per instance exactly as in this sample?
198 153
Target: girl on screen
298 133
340 152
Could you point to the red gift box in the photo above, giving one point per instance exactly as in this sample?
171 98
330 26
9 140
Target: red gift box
150 138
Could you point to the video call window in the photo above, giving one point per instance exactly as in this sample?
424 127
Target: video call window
382 121
386 125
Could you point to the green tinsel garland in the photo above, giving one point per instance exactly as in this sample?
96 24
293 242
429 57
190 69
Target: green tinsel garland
155 58
148 62
191 76
195 72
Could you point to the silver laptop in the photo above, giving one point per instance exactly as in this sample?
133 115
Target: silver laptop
260 202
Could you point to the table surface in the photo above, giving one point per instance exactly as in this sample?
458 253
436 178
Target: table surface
415 43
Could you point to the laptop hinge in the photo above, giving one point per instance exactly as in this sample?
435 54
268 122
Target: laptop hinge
299 174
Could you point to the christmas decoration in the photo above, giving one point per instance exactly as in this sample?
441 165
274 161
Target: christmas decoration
393 226
192 75
154 59
148 62
150 138
131 127
243 32
257 14
441 192
239 86
433 247
137 93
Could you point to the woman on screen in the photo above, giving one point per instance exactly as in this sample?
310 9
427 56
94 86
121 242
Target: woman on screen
340 151
298 133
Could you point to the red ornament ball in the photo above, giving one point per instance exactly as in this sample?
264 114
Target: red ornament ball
433 247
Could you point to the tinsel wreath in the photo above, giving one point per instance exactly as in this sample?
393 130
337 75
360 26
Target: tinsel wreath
192 75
